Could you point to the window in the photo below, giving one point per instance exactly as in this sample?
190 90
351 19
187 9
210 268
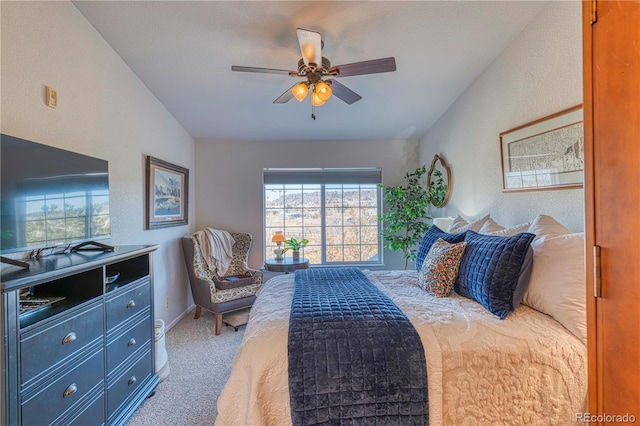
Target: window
335 209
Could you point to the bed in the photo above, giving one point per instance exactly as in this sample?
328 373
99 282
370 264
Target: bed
527 368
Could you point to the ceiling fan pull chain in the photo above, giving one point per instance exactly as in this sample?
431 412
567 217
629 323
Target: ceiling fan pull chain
313 111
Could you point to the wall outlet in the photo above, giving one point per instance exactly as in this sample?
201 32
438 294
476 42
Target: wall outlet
166 302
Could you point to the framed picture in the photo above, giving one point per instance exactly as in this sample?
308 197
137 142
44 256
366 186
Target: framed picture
167 194
545 154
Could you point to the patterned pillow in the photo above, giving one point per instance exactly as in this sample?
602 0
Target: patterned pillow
440 268
429 238
490 269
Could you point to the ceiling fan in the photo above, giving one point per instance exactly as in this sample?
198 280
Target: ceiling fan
317 71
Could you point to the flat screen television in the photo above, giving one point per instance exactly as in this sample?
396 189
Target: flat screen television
50 196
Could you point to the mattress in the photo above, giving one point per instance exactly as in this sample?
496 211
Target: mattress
525 369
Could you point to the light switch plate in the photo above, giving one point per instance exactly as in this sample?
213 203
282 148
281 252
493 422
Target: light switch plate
51 97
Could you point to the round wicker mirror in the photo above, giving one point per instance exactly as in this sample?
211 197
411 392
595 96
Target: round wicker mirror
439 181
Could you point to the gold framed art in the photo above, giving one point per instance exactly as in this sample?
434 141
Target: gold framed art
545 154
167 194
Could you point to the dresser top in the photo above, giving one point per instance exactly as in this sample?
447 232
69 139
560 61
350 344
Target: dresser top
60 265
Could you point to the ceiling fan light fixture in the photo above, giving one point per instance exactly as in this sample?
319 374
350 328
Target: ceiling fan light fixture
316 101
314 68
323 90
310 46
300 91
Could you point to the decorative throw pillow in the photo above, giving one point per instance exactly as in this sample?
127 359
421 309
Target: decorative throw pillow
440 267
557 286
429 238
492 228
460 225
490 269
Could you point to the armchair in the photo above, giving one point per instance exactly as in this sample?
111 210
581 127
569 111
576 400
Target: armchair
202 279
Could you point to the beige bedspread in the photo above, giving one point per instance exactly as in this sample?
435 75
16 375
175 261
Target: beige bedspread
527 369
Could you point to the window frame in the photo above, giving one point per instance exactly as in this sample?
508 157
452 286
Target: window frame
330 175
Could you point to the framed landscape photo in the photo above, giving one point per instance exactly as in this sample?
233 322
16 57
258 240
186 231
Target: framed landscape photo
545 154
167 194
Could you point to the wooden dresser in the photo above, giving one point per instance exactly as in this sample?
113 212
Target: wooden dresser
78 338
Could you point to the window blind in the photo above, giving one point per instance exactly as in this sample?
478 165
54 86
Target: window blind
371 175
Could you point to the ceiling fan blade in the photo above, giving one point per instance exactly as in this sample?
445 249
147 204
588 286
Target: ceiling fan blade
261 70
365 67
286 96
343 92
310 46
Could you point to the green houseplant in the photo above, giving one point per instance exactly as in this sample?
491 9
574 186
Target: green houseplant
405 218
295 246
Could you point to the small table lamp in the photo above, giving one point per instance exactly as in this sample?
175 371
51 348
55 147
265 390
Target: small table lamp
278 238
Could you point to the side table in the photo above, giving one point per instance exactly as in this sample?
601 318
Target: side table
286 265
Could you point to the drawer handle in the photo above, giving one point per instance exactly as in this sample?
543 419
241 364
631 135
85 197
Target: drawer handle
131 304
70 390
131 342
132 380
71 337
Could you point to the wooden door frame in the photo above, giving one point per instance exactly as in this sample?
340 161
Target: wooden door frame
594 371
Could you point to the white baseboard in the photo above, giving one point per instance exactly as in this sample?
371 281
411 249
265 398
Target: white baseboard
168 327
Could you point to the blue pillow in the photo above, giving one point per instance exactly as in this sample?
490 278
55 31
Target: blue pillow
430 237
490 269
523 278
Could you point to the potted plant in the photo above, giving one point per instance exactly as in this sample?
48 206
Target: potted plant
295 246
405 220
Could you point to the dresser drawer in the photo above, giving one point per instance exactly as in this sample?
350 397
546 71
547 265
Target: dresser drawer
43 348
92 415
125 384
125 305
46 405
126 344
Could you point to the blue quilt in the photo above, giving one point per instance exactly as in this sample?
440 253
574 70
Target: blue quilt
354 356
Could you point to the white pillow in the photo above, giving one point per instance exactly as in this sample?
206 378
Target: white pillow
546 225
490 226
460 225
509 232
557 286
457 222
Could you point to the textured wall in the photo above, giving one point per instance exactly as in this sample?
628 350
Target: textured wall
229 176
104 111
538 74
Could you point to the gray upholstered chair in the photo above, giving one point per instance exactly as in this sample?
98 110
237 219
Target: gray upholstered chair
201 278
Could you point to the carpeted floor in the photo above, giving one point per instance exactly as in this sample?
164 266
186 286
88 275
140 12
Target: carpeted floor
200 365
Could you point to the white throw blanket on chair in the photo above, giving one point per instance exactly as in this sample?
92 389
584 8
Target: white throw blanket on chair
216 247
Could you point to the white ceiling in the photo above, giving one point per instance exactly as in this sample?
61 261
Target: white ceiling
183 51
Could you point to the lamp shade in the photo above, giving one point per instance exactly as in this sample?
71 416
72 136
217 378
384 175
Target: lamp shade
300 91
278 237
315 100
323 90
